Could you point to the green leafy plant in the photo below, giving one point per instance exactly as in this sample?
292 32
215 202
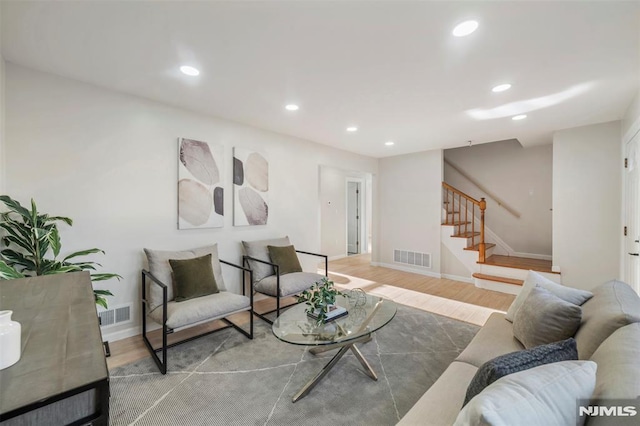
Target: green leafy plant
32 246
319 298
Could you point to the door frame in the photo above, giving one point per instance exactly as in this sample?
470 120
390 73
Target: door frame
631 136
362 247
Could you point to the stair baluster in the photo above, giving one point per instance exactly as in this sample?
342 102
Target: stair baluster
450 208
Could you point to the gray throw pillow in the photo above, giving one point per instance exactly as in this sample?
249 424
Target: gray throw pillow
513 362
545 318
534 279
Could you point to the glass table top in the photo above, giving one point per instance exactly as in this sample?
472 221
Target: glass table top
366 314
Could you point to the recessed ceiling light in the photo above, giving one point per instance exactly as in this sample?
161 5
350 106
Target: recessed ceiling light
465 28
389 143
519 117
352 129
186 69
292 107
501 87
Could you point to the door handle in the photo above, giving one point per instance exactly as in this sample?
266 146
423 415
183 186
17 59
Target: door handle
634 254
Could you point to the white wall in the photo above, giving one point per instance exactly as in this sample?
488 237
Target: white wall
333 209
2 121
631 120
109 161
519 176
409 208
587 228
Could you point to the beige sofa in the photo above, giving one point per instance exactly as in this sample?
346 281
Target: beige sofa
609 335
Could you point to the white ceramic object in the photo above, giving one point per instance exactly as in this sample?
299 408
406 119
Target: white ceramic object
9 340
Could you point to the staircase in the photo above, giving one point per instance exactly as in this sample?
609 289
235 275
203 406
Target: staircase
463 232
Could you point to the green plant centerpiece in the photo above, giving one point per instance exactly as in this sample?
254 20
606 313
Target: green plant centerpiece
32 246
320 298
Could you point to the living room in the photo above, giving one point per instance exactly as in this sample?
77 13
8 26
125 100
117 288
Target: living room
89 135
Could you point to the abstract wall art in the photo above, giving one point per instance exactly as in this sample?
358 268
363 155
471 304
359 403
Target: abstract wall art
200 184
250 188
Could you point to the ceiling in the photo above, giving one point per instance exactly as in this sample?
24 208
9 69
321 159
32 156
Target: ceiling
392 68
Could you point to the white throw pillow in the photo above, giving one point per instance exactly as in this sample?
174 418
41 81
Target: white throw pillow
568 294
544 396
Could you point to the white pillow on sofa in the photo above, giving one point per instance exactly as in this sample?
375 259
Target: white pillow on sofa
568 294
544 396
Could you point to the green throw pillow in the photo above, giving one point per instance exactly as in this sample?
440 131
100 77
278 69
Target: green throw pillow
193 278
286 259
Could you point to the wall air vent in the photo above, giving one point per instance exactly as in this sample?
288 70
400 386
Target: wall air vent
114 316
412 258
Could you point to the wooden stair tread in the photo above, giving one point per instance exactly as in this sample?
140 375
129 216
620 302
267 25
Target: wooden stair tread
504 280
466 235
456 223
487 246
520 263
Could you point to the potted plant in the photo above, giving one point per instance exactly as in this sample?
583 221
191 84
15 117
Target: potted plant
30 237
321 299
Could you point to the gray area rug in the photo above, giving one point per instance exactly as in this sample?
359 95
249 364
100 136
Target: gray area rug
227 379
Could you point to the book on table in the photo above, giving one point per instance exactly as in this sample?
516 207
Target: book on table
335 312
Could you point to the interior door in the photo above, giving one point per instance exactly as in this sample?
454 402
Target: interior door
353 217
632 213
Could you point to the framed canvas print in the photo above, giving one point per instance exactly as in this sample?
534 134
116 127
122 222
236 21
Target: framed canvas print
200 184
250 188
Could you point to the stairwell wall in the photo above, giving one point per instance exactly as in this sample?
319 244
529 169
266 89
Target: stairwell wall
522 178
587 227
409 208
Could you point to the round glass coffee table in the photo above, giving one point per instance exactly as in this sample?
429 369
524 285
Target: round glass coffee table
366 314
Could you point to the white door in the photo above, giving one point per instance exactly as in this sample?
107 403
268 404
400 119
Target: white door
632 214
353 217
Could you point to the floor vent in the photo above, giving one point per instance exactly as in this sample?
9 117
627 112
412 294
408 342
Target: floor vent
412 258
117 315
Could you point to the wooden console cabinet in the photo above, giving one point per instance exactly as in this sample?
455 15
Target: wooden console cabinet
62 376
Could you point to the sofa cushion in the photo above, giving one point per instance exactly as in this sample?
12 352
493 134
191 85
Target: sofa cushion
614 305
544 318
159 266
569 294
192 311
618 376
440 405
494 338
286 259
513 362
259 250
193 278
290 284
544 395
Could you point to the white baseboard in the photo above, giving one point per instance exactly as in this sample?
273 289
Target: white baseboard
122 334
458 278
405 269
555 268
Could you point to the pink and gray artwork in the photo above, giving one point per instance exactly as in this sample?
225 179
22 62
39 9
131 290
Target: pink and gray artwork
250 188
200 185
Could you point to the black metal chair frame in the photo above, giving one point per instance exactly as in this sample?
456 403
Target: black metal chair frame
262 315
162 365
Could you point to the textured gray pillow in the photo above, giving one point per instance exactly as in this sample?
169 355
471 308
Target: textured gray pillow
534 279
259 250
545 318
541 396
513 362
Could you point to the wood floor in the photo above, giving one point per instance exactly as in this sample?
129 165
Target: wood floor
445 297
